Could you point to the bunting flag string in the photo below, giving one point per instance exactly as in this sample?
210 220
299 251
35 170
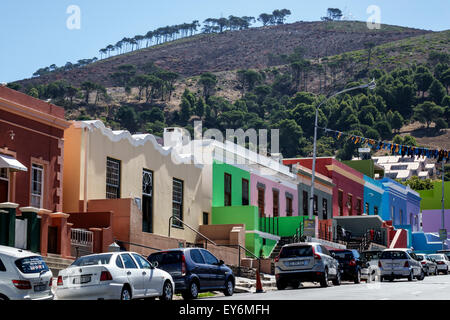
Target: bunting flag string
393 148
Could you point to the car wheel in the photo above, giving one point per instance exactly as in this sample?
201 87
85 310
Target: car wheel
126 293
422 275
229 288
428 272
411 276
435 271
192 292
358 277
167 294
446 271
281 285
337 281
295 284
324 280
391 279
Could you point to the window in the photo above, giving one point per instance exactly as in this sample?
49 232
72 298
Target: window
143 263
325 209
359 207
316 205
367 208
112 179
3 174
325 251
205 218
227 198
341 202
276 203
119 263
177 202
245 186
128 261
209 258
305 203
375 210
401 216
392 213
289 210
147 201
37 185
2 267
31 265
261 204
350 204
98 259
197 257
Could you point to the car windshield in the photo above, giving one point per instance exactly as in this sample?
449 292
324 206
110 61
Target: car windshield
395 255
343 255
165 258
100 259
31 265
437 257
293 252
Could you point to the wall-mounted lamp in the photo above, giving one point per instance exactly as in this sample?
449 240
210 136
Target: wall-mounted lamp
11 134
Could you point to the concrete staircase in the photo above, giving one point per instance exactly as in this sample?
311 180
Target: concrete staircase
56 263
276 251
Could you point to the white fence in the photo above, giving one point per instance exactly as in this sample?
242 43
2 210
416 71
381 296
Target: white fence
82 240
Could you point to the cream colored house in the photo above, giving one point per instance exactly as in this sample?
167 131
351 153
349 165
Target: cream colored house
103 166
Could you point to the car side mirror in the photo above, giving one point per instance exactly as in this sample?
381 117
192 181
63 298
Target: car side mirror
333 255
154 264
221 263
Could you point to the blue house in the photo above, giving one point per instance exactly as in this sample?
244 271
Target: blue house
394 204
373 196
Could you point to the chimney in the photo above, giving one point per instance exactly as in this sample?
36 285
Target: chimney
176 137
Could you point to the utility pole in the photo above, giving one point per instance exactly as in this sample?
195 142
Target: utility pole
443 203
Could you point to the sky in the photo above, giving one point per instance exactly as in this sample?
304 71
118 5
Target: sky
35 34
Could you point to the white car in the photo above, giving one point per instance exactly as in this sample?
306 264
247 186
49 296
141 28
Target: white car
114 275
400 263
370 271
23 275
443 264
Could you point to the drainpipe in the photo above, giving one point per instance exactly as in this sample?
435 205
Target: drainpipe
86 159
443 203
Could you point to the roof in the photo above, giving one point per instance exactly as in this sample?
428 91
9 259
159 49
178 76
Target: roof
15 252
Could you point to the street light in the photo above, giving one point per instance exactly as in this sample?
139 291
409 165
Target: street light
370 86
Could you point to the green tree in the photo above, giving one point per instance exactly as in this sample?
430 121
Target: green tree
428 112
423 79
437 91
126 116
88 87
397 121
208 81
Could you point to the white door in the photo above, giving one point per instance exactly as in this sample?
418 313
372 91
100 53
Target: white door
152 279
21 233
134 275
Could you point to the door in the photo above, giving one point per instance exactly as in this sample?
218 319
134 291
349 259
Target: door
52 240
3 190
332 263
217 278
201 269
152 279
134 275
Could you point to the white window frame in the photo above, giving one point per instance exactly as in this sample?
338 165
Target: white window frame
37 167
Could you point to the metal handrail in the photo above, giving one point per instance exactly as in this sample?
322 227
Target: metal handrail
246 250
198 233
136 244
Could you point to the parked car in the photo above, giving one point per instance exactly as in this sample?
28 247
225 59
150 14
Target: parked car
195 270
305 262
400 263
24 276
428 264
446 252
113 276
369 268
349 264
443 264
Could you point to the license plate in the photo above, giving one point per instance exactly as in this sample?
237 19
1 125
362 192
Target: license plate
40 287
82 280
297 263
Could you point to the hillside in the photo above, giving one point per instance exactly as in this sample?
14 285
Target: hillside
253 48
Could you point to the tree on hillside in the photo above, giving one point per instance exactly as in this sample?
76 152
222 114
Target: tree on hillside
208 81
280 15
423 79
88 87
428 112
248 79
369 46
437 91
397 121
266 19
333 14
126 116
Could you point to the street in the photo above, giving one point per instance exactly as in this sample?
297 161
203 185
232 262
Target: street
431 288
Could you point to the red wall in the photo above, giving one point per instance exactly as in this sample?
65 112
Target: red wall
342 182
27 144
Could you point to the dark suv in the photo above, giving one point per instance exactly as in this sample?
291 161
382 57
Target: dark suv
195 270
349 264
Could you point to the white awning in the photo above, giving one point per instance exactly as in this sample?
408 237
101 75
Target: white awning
11 163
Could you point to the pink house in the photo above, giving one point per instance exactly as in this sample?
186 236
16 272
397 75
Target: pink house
273 197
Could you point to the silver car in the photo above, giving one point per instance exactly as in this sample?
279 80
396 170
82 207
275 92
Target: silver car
443 264
370 270
310 262
400 263
428 264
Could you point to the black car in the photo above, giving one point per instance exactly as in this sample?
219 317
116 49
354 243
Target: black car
349 263
195 270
